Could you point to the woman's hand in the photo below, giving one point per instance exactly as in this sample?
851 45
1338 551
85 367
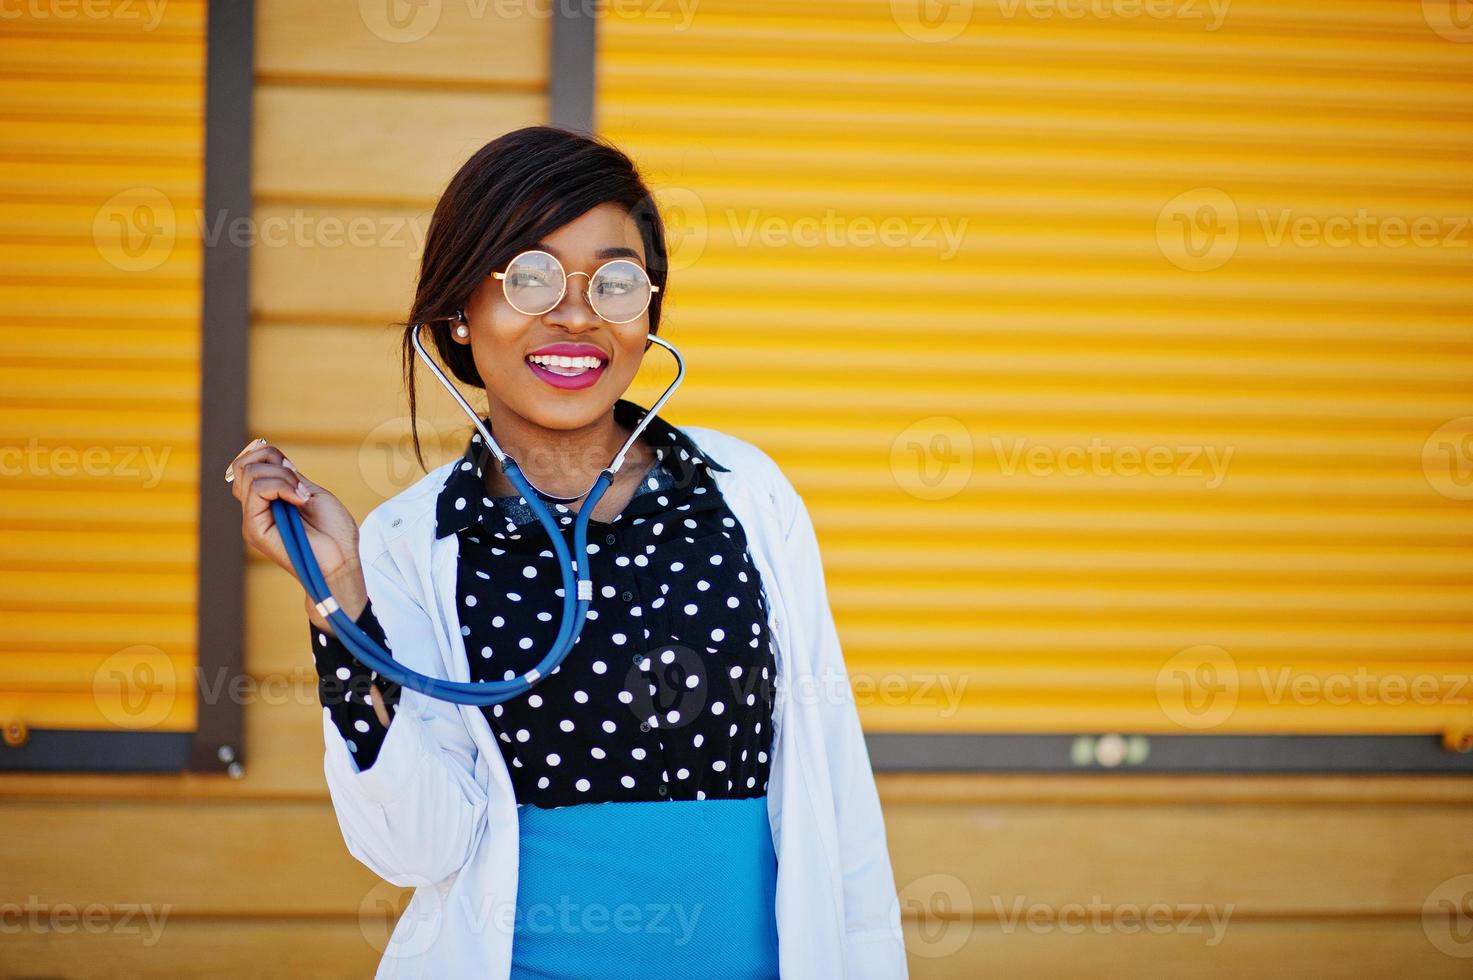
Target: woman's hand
263 474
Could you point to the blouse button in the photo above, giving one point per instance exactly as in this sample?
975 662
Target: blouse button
664 789
638 657
627 596
644 726
610 539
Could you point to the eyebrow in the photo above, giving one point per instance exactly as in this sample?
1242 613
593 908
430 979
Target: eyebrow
609 252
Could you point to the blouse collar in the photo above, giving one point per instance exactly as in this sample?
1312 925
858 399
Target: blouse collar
463 503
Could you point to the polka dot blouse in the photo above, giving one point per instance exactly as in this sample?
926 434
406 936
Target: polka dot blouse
667 693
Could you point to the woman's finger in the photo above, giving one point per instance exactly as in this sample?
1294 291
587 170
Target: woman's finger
244 467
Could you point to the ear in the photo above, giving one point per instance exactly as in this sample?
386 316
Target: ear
460 331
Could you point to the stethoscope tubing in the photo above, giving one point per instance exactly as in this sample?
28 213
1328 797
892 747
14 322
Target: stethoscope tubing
577 592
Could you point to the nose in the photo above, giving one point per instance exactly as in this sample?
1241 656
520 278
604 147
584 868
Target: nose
573 312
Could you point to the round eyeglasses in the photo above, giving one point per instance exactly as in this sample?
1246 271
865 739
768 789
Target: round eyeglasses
618 291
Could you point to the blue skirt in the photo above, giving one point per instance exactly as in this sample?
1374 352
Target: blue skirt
645 890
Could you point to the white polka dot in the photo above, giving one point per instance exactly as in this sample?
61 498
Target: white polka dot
676 566
717 707
672 717
719 765
582 785
608 591
690 608
610 727
523 734
735 672
529 572
682 773
566 725
597 752
470 600
732 602
715 559
698 740
637 752
627 781
525 643
667 657
599 666
344 673
553 758
498 621
361 725
543 782
580 696
535 700
619 639
718 634
703 585
692 680
460 503
486 652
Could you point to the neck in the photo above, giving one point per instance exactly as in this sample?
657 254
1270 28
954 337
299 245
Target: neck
561 462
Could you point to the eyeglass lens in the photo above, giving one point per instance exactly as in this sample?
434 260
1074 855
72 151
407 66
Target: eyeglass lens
618 292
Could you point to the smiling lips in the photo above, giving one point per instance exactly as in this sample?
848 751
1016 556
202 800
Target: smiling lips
568 366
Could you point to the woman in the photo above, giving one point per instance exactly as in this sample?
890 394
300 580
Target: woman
689 793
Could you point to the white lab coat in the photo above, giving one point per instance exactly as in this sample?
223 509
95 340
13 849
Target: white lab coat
437 811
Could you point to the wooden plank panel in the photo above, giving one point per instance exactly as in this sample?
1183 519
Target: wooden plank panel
453 43
221 858
334 143
1284 861
332 948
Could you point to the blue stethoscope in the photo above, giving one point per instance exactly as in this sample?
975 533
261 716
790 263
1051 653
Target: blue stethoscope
577 592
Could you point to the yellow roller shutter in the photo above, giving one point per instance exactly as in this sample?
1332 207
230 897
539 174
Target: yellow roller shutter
1122 350
101 152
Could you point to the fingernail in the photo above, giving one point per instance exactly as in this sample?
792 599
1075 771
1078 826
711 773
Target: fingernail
288 464
303 492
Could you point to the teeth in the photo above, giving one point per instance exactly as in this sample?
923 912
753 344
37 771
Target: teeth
567 363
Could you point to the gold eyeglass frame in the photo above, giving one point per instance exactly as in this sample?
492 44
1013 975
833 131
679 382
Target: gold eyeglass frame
586 290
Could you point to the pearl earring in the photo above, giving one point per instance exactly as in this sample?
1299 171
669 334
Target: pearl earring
462 331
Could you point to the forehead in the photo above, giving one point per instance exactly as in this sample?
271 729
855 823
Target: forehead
602 233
